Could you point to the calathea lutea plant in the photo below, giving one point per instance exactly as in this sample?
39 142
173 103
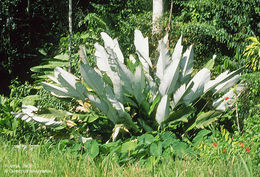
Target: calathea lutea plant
140 96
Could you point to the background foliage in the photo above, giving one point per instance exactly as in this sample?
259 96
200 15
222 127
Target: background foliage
215 27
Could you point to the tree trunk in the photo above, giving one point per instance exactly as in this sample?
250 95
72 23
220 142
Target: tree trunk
157 14
70 33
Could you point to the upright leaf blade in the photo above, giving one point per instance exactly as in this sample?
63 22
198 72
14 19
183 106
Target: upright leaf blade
82 54
101 58
163 61
113 45
176 56
228 99
123 116
180 93
142 49
125 75
92 78
163 110
227 84
186 65
139 85
169 81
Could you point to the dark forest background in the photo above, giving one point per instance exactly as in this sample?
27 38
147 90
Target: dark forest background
215 27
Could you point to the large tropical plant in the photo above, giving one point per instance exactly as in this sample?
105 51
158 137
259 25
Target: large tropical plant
142 96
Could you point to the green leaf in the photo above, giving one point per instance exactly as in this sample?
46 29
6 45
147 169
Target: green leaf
59 127
53 113
156 149
146 127
154 104
206 118
30 100
64 57
87 118
146 139
168 139
145 106
204 121
42 51
180 115
210 64
199 137
131 63
92 148
47 66
128 146
180 148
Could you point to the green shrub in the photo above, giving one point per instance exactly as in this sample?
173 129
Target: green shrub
252 54
249 105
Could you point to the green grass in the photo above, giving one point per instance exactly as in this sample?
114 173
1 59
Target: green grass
45 162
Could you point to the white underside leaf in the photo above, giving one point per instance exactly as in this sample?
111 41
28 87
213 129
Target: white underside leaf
162 112
113 45
101 58
186 65
163 61
92 78
142 49
171 75
139 85
199 81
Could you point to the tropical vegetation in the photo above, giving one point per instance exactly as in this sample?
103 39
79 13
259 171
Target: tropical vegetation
128 88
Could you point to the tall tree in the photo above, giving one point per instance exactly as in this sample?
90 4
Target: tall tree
70 33
157 14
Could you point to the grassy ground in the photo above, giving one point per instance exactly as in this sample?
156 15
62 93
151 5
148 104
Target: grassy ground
43 162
